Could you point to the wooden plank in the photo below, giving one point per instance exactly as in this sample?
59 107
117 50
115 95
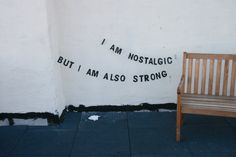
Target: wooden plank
211 56
180 89
196 76
189 85
215 99
209 102
218 76
178 118
225 109
208 97
212 105
203 76
226 72
208 112
233 79
220 99
184 63
184 69
211 70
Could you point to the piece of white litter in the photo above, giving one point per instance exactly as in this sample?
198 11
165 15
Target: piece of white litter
93 117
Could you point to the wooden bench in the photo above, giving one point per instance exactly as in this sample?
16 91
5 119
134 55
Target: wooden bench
207 86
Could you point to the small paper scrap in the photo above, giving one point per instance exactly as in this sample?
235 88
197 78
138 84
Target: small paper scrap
93 117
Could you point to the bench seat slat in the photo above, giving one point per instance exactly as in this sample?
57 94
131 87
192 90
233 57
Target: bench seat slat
225 109
207 97
208 112
215 105
209 103
204 102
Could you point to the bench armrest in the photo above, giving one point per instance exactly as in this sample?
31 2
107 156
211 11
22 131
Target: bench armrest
180 88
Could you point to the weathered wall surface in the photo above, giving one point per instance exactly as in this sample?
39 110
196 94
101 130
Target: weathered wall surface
154 29
103 52
27 66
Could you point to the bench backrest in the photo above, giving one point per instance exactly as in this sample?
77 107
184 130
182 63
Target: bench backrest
211 74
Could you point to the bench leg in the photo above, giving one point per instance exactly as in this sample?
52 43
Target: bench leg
179 120
178 127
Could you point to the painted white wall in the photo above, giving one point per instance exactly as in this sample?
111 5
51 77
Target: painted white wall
53 35
153 28
35 33
28 82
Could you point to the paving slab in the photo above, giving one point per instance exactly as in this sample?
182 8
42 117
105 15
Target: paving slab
151 119
108 136
122 134
225 154
156 141
9 137
51 142
213 138
232 123
71 120
38 156
164 155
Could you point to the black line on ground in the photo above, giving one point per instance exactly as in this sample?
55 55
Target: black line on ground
74 138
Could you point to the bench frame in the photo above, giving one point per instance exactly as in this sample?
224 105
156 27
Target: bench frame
201 79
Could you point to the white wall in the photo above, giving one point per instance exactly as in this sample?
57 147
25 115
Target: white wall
53 35
153 28
27 82
34 34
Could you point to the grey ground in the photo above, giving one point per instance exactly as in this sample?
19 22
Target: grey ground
122 134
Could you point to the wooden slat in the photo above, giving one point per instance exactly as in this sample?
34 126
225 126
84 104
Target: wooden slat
218 75
203 76
184 64
178 117
208 112
194 96
190 64
213 104
210 56
210 83
215 108
226 71
233 79
184 69
196 78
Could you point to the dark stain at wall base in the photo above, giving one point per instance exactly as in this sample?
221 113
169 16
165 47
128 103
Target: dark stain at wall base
51 118
107 108
55 119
